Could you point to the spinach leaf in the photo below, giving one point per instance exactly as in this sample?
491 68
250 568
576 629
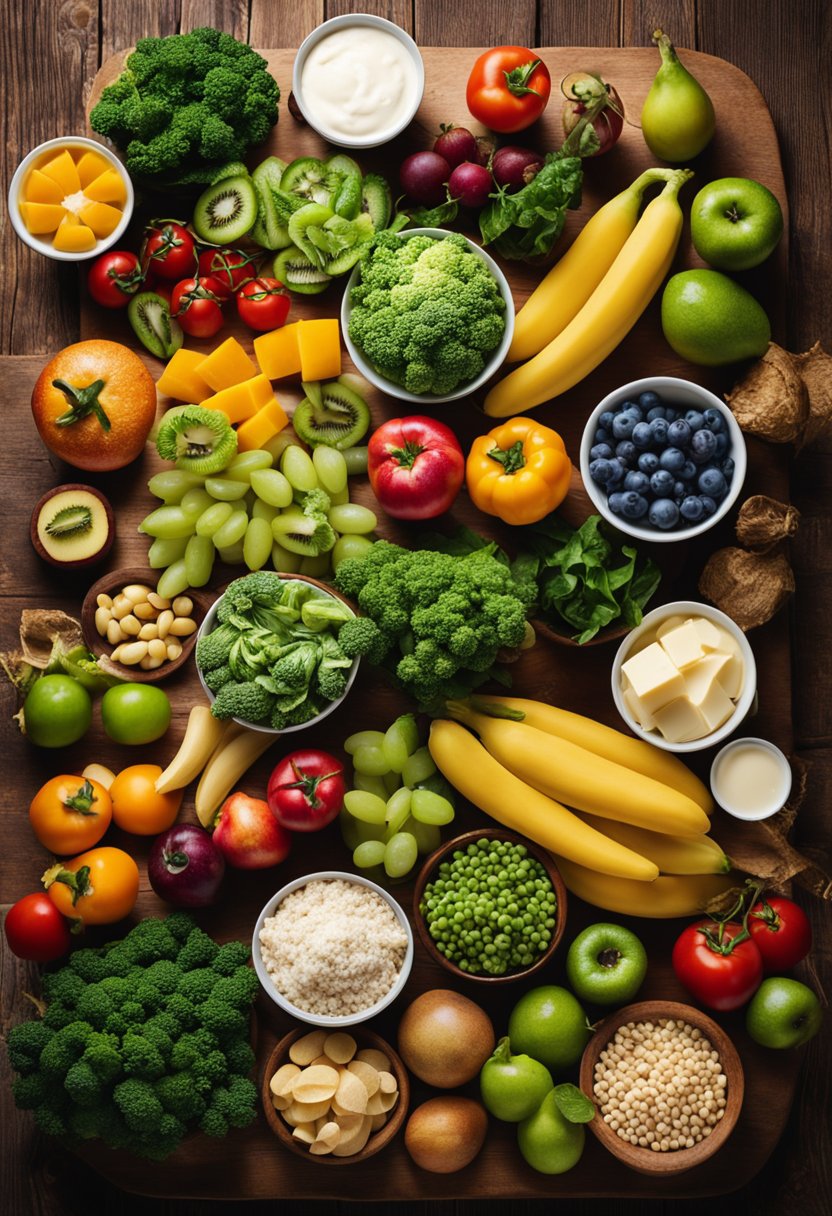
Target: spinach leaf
525 225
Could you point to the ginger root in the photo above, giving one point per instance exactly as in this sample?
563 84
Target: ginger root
748 587
763 522
815 368
785 398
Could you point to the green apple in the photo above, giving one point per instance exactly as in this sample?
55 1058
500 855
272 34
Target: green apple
548 1141
548 1024
606 964
709 319
735 223
783 1013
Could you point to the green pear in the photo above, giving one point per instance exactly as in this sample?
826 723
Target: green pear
548 1141
677 118
709 319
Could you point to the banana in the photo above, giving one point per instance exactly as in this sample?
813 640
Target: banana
670 895
236 752
608 315
672 854
572 280
202 734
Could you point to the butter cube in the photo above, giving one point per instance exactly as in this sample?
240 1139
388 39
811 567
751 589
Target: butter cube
732 675
654 679
683 645
710 635
715 707
670 622
702 674
681 721
637 709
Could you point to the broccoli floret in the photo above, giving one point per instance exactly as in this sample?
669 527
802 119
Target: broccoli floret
180 1097
238 989
210 1069
214 680
65 1047
231 956
362 636
50 1120
248 701
331 682
240 1057
31 1091
89 965
222 1020
179 925
137 1101
199 950
83 1085
198 985
95 1006
102 1055
141 1058
65 986
214 1122
237 1101
25 1044
150 940
213 649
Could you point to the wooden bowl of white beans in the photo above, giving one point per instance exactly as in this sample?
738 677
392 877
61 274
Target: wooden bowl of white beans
667 1084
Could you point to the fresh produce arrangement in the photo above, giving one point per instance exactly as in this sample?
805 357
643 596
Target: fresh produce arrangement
264 451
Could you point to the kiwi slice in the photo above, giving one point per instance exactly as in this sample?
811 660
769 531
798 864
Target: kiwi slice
197 439
308 178
72 526
341 420
156 329
299 273
306 223
226 211
376 200
341 262
268 230
346 181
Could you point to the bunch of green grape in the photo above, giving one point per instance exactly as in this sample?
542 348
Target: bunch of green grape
399 800
252 513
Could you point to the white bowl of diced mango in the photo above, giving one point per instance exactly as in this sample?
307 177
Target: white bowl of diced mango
70 198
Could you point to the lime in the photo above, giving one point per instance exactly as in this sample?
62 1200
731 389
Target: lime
57 711
549 1025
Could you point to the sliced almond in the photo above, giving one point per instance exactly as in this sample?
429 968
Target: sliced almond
366 1074
378 1122
305 1112
387 1083
376 1059
305 1049
317 1083
351 1094
340 1047
355 1141
305 1132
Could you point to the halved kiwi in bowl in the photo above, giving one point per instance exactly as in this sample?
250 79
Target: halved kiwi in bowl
340 419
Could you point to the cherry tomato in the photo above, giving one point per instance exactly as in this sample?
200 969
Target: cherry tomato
97 888
35 929
70 813
415 466
781 931
230 267
720 965
306 790
169 250
263 304
508 88
114 278
137 807
197 305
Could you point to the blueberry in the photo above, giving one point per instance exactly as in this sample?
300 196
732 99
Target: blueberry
602 435
692 509
634 505
659 428
679 491
615 503
634 411
606 419
601 451
664 514
650 401
601 471
708 505
703 445
714 420
688 471
648 462
723 443
679 433
661 483
671 414
672 459
642 435
626 452
695 419
637 481
622 426
658 411
728 469
712 483
618 471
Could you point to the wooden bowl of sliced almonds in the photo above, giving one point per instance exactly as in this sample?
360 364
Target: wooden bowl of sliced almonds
335 1097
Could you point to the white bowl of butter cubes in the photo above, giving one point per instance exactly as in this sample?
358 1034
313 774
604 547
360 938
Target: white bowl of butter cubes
685 678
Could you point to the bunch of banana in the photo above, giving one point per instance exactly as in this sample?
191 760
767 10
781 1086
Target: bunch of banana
221 751
635 839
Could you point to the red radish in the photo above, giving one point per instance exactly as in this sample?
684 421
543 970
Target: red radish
470 184
514 167
584 90
423 176
456 144
185 867
485 150
248 834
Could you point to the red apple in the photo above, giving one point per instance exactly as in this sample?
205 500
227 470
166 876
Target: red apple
248 835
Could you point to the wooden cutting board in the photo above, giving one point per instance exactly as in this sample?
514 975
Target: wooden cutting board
250 1163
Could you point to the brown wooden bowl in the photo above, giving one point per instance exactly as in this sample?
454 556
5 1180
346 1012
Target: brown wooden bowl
378 1140
675 1161
432 864
112 583
610 633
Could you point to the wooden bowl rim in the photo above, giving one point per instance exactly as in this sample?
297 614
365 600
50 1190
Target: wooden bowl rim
540 854
378 1140
675 1161
610 633
100 646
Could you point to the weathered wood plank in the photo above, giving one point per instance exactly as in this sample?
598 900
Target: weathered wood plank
639 18
475 23
563 24
286 24
122 25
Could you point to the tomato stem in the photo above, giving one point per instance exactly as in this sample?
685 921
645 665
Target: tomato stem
517 79
407 455
308 784
82 800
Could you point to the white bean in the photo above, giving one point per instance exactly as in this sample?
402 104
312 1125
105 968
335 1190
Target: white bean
149 631
131 625
115 633
137 593
103 616
133 652
145 612
158 601
183 627
157 649
104 601
164 622
183 605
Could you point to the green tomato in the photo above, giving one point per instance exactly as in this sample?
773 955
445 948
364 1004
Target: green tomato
57 712
135 713
512 1087
606 964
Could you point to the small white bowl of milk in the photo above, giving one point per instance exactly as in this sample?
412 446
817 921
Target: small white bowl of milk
751 779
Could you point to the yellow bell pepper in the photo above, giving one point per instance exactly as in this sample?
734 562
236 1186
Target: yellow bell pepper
519 471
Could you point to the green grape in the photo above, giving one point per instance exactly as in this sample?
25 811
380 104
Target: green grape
195 503
400 854
392 781
232 555
419 766
366 807
284 561
297 467
428 807
272 487
173 581
199 560
370 760
338 497
278 444
352 519
315 567
400 740
398 810
246 463
248 502
349 546
368 854
257 546
165 551
373 785
354 832
232 530
214 518
363 738
331 468
167 522
356 460
226 490
428 836
172 484
263 510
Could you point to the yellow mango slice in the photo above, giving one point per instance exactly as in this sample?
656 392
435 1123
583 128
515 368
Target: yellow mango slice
62 169
42 189
181 380
235 402
74 237
101 217
260 390
226 366
319 344
278 353
109 187
261 427
90 166
41 217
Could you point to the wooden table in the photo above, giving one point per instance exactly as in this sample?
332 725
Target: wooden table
51 49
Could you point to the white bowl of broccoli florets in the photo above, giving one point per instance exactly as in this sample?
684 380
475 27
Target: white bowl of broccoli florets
267 652
427 315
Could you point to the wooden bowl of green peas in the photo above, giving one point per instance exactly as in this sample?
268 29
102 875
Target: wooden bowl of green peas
490 906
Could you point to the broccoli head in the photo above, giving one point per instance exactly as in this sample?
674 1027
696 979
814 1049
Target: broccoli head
248 700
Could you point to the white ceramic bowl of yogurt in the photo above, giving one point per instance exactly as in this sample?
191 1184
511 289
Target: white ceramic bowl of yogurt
358 80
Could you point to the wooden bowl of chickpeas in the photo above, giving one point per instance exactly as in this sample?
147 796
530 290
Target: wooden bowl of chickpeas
144 637
667 1084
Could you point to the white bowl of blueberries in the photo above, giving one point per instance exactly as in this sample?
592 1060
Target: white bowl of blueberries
662 459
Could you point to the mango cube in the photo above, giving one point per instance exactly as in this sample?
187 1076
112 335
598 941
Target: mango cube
319 343
73 236
90 166
278 352
42 189
101 217
62 169
240 401
261 427
181 380
226 366
108 187
41 217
